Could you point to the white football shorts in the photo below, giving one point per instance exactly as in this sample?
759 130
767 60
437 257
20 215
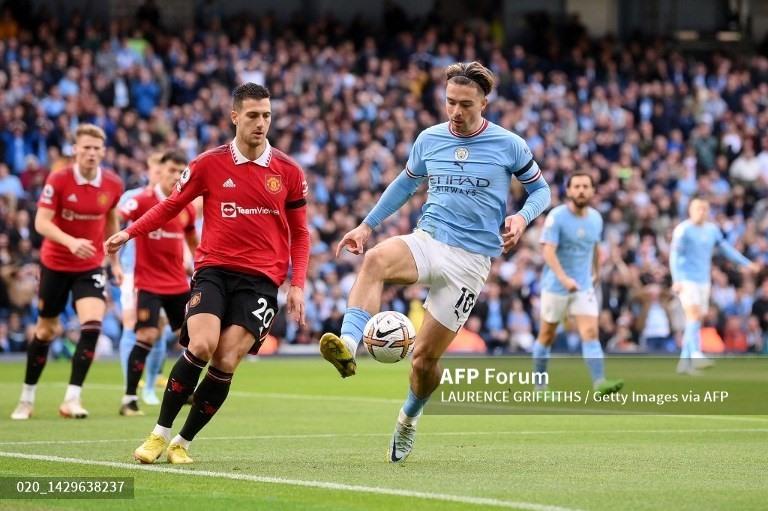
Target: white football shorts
454 276
556 307
695 293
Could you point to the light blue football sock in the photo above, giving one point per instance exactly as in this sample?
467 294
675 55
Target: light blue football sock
127 342
593 357
691 338
413 404
156 358
353 325
540 357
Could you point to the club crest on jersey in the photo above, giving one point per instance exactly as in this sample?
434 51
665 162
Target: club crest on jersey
102 200
461 154
194 300
580 232
183 218
274 184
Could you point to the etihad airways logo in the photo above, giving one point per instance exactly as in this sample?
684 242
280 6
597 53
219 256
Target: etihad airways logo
231 210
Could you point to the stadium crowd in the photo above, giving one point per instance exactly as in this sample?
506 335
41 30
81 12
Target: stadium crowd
653 125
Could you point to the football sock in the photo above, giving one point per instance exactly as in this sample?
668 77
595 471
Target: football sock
691 336
413 404
540 357
593 357
136 366
352 327
162 431
28 393
37 356
208 398
73 392
127 340
86 347
181 384
156 358
180 440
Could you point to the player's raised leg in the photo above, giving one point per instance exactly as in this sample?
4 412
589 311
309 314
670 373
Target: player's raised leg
389 262
592 352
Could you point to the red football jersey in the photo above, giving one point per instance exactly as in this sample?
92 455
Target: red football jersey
254 212
160 254
80 209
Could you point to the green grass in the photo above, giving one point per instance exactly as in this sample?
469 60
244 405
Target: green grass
295 419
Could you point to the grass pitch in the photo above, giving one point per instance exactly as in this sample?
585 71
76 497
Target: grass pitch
293 435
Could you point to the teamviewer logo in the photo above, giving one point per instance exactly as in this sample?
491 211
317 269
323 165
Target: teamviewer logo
228 209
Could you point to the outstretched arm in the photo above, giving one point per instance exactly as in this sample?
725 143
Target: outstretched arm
393 198
732 254
396 194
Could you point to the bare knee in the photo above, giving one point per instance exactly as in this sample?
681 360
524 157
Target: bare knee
374 263
547 334
226 362
589 333
203 347
148 335
45 330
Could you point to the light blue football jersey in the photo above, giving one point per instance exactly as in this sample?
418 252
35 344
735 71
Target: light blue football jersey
128 252
469 178
575 237
690 257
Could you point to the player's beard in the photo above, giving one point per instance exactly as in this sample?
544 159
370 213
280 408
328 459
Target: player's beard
580 202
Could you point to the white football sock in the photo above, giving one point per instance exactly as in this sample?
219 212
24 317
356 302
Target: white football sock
73 392
28 393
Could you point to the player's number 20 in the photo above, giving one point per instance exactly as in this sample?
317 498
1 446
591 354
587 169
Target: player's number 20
264 313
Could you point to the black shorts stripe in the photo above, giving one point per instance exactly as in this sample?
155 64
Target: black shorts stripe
295 204
523 170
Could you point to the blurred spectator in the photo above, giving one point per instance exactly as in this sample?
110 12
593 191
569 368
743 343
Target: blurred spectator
652 124
654 319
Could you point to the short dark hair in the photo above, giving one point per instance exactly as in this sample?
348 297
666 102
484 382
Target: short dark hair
175 156
470 73
580 174
248 91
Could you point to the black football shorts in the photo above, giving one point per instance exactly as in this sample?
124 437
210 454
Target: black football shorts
235 298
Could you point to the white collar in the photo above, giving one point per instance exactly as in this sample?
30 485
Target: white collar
80 180
159 193
262 161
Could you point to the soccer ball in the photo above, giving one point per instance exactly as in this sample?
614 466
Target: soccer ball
389 336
